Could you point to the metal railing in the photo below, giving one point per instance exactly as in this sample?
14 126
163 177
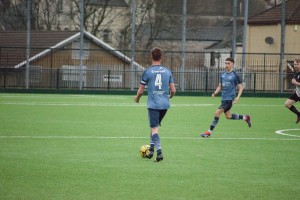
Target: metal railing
102 70
196 81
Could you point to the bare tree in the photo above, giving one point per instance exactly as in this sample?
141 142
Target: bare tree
149 23
48 13
13 14
98 15
45 14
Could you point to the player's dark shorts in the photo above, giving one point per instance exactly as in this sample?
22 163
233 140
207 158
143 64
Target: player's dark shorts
156 116
226 105
294 97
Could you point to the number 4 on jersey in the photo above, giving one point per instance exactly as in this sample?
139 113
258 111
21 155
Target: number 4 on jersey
158 81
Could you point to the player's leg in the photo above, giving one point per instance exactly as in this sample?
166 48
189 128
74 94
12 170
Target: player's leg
214 122
151 117
157 144
155 118
235 116
216 119
151 150
246 118
289 103
156 138
225 105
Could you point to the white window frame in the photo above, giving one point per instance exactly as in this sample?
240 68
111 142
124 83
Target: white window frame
72 73
112 78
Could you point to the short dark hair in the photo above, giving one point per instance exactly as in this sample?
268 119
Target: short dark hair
156 53
230 60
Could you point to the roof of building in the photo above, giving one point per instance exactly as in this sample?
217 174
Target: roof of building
219 36
38 39
197 34
273 15
42 42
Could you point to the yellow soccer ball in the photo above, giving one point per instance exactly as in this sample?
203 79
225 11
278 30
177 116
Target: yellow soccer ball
144 150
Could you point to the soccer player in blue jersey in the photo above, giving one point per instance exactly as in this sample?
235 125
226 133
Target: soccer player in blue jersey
160 81
229 81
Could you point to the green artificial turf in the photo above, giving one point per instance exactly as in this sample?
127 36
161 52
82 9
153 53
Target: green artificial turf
87 147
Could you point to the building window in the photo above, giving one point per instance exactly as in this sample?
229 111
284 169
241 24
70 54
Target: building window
107 35
76 49
72 73
112 78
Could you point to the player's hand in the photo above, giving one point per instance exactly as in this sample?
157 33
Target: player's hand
236 100
136 99
213 95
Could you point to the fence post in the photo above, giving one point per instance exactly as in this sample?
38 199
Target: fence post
206 81
57 79
108 80
4 78
254 89
264 83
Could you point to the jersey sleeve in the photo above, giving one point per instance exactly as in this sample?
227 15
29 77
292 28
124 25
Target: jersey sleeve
171 80
220 79
238 79
144 78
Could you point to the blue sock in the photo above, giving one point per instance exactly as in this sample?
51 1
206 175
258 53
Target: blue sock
156 140
214 123
236 116
159 152
151 143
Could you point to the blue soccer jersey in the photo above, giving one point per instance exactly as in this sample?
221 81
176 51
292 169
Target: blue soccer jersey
229 81
157 78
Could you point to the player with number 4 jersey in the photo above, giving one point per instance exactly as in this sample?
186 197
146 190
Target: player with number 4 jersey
159 81
158 78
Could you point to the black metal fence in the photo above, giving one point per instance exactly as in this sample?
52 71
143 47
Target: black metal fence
200 81
60 71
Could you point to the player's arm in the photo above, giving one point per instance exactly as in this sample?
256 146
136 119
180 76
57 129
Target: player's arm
291 67
172 90
295 82
240 91
218 89
139 93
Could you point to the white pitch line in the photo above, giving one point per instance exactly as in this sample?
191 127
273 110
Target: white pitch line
190 105
96 104
113 104
122 137
62 96
72 104
258 105
67 137
281 132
